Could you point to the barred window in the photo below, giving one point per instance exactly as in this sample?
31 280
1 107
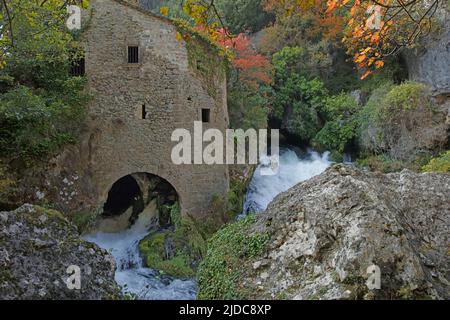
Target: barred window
133 54
78 69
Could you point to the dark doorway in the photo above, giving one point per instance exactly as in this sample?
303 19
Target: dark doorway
125 193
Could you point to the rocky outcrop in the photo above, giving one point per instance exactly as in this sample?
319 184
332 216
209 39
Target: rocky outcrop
37 246
429 62
328 234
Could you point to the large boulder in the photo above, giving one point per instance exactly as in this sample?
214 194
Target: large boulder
40 252
329 234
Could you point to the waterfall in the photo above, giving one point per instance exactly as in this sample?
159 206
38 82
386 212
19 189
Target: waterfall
293 169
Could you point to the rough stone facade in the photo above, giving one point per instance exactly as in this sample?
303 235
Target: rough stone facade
117 141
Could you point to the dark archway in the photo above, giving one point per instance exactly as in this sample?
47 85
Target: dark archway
137 191
125 193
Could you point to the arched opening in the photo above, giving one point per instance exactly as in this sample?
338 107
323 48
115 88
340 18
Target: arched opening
125 193
136 194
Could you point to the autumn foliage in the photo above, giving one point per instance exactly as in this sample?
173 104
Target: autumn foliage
253 67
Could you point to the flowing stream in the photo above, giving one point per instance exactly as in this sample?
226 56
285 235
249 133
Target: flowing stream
131 275
147 284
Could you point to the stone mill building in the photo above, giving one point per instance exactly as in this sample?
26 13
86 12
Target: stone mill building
145 83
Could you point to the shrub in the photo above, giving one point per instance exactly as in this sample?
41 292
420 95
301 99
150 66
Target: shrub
439 164
41 105
227 250
36 124
342 127
402 121
297 103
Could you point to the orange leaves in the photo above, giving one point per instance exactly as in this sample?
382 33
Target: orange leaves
379 64
367 28
251 65
331 5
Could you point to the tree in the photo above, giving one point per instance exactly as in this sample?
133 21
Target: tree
253 68
244 15
374 28
41 105
249 77
379 28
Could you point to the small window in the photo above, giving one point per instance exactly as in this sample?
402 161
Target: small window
206 113
133 54
77 69
144 112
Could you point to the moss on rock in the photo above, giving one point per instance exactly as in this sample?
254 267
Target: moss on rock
175 251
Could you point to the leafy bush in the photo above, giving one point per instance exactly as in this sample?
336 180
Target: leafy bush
439 164
227 249
342 125
247 108
41 106
244 15
402 121
36 124
297 103
386 164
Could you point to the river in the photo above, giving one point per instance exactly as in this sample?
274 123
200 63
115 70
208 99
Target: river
147 284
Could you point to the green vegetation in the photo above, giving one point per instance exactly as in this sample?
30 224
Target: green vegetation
228 207
386 164
439 164
399 125
175 251
223 264
208 60
244 15
83 220
7 184
238 15
341 128
41 106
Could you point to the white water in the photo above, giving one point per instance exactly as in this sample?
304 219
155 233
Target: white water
145 284
149 284
292 170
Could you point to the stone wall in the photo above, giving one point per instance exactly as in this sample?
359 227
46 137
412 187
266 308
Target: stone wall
117 141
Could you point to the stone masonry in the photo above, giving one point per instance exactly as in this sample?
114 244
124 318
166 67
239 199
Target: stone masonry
165 84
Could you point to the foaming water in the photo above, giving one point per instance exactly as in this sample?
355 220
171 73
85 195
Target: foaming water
131 275
292 170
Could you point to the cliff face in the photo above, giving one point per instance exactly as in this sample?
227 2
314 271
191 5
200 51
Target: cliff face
37 246
430 62
328 234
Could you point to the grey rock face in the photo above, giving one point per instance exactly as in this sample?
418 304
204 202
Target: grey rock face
430 63
327 232
37 246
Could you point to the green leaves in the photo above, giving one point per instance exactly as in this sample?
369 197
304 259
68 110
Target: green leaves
41 106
